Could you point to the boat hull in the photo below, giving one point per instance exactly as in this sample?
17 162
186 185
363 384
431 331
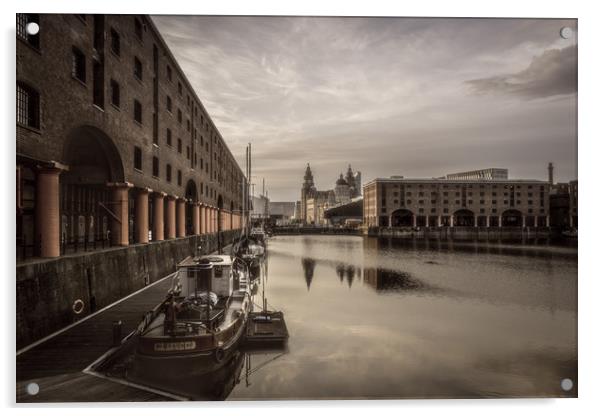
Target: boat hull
148 368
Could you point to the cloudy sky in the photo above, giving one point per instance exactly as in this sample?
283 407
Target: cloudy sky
391 96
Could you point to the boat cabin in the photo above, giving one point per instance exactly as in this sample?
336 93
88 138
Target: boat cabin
205 275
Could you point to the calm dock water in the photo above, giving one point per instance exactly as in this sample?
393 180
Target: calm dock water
368 318
380 318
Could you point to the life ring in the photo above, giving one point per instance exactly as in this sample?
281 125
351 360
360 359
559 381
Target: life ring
219 354
78 306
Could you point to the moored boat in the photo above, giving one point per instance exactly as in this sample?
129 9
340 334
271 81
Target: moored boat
197 329
251 250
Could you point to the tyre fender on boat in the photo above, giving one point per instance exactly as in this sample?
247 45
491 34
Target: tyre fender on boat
219 354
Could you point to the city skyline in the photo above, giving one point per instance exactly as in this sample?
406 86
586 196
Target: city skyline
417 97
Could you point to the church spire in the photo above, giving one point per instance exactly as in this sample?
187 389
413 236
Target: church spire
349 177
308 174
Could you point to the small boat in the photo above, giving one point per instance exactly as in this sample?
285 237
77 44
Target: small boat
199 326
251 250
259 234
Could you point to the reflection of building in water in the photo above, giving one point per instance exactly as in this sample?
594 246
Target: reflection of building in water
391 280
340 271
308 270
346 271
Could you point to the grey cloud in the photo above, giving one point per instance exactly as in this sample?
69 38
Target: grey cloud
387 95
552 73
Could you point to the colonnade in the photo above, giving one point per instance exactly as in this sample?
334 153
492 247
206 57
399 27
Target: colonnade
437 221
169 219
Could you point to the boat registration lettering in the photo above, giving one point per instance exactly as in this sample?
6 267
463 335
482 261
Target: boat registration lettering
175 346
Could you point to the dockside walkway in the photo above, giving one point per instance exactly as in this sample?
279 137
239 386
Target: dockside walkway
59 364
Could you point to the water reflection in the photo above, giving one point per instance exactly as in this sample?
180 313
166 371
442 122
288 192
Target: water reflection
308 270
420 319
389 280
219 384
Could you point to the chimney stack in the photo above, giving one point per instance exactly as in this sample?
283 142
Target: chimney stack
551 173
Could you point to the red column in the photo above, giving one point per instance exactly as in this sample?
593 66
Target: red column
196 218
158 217
202 217
141 220
214 219
170 217
47 211
181 217
120 219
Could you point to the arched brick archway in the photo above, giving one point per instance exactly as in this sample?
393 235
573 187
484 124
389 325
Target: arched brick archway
464 218
402 218
512 218
92 157
85 200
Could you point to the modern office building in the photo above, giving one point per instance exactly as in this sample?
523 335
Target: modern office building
480 174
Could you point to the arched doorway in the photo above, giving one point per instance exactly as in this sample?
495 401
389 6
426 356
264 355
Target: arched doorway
191 198
464 218
402 218
512 218
93 161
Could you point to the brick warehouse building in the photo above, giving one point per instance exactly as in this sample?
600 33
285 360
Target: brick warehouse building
112 140
397 202
114 149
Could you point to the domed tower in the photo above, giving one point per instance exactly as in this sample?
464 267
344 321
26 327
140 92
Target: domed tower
350 179
307 191
341 190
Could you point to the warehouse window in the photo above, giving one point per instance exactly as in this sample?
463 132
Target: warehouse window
168 137
138 111
155 166
22 20
98 87
137 68
138 28
115 42
169 104
179 145
78 65
28 106
168 172
137 158
169 73
179 177
115 94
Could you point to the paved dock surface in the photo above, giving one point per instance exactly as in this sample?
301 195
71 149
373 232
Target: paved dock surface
57 364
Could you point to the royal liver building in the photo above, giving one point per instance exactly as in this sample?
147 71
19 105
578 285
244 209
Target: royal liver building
314 201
